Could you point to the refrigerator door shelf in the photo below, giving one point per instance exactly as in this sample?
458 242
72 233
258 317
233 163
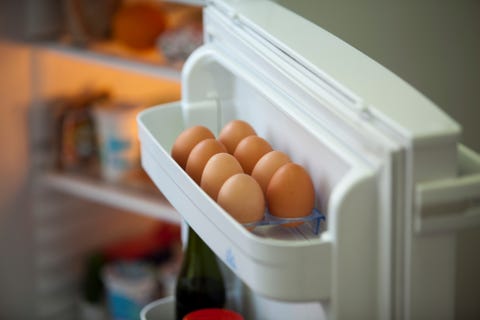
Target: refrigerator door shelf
268 260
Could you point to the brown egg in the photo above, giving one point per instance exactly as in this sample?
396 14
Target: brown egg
250 150
266 167
242 197
200 155
233 132
290 193
218 169
185 142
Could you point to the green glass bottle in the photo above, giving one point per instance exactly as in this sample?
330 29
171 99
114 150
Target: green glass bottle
200 283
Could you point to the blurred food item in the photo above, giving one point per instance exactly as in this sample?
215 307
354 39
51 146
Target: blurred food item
242 197
92 285
218 169
200 155
233 132
178 14
184 32
185 142
160 247
116 130
138 25
267 166
91 305
78 138
75 126
88 20
249 150
290 193
130 285
152 246
139 269
177 45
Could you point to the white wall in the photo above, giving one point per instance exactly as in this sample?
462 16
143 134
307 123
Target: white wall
435 46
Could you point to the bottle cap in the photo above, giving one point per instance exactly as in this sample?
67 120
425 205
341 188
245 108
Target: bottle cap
213 314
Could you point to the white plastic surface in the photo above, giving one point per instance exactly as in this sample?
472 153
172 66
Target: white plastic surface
284 263
266 265
162 309
364 84
449 205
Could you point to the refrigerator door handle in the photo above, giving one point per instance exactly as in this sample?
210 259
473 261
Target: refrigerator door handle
453 204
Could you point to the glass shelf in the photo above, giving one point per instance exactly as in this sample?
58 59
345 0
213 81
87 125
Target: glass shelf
150 63
138 195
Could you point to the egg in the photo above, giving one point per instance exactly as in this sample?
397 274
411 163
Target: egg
218 169
242 197
233 132
200 155
267 166
249 150
185 142
290 192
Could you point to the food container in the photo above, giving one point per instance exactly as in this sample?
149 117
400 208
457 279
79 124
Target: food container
160 309
129 286
117 139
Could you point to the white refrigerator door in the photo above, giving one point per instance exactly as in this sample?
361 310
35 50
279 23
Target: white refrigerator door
367 139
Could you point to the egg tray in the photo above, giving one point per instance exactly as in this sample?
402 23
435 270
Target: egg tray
263 258
315 220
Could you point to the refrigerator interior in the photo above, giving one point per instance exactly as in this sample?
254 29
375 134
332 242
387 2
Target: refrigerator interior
51 220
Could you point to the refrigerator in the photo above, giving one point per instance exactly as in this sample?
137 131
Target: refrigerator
393 180
389 172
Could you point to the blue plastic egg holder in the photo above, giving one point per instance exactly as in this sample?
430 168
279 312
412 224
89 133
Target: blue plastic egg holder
315 219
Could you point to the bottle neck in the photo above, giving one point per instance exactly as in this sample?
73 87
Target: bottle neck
194 240
199 256
197 246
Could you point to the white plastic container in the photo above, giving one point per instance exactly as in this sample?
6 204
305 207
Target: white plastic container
117 138
129 286
249 255
162 309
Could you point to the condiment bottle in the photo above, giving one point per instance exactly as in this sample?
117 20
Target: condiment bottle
200 283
